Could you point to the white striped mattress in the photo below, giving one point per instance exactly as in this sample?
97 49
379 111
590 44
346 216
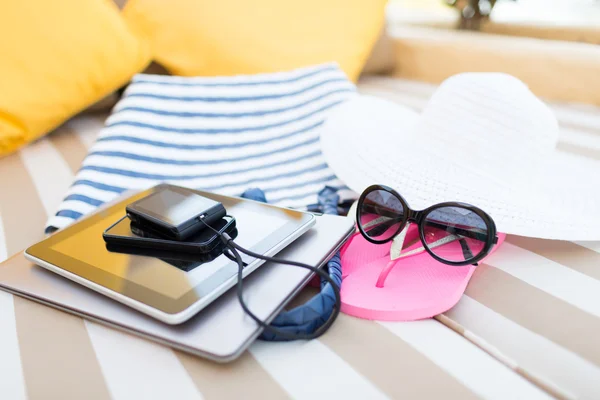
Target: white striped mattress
534 307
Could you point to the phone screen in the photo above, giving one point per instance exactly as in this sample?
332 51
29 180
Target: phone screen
175 207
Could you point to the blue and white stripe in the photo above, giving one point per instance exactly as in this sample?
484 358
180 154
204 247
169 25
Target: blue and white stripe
223 134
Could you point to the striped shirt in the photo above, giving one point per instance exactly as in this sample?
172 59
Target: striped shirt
221 134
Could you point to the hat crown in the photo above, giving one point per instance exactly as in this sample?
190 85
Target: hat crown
491 120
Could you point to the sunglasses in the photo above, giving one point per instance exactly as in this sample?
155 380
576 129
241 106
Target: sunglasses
452 233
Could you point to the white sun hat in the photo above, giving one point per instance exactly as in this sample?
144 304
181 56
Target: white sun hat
483 139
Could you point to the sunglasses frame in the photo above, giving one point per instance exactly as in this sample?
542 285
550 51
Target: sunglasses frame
419 217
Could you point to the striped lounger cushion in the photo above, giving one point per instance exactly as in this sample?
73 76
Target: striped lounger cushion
222 134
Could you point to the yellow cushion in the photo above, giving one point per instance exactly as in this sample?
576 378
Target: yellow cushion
228 37
57 58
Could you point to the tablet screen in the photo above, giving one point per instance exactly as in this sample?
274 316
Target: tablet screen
81 249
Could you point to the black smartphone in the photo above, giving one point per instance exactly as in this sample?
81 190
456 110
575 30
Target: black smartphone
175 212
183 261
127 233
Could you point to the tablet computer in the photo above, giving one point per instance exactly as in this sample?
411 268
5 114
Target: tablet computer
152 285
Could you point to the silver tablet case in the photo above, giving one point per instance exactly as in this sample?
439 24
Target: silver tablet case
221 331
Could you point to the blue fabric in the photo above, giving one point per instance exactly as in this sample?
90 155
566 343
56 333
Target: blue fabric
307 318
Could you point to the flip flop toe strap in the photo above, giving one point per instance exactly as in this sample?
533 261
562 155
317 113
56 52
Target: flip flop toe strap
396 252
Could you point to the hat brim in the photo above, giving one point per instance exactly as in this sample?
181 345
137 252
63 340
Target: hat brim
368 141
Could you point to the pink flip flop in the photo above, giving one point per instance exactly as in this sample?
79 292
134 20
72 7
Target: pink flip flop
414 286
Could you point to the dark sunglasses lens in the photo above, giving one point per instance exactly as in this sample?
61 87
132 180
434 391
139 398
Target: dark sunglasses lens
380 215
455 234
